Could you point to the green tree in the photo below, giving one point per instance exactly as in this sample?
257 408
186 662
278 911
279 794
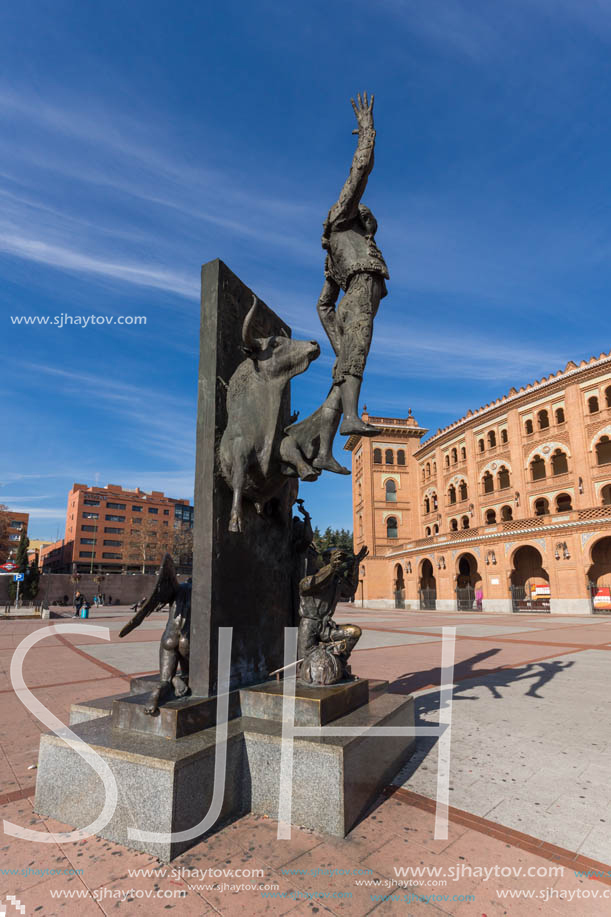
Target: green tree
33 579
332 538
21 560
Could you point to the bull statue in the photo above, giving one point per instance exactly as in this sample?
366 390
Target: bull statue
256 454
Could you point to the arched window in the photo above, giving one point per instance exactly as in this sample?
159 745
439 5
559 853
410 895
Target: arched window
377 456
541 507
454 455
423 474
434 500
427 506
560 464
528 427
543 420
389 457
452 494
603 451
435 529
453 525
491 438
560 418
391 491
481 445
488 483
490 516
463 453
606 495
506 514
537 468
391 528
465 522
427 531
504 479
400 457
428 469
447 461
434 467
608 396
593 404
563 503
462 490
504 436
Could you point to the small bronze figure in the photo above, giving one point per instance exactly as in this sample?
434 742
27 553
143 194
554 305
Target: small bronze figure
323 646
174 646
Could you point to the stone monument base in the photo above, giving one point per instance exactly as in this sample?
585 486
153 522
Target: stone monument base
166 784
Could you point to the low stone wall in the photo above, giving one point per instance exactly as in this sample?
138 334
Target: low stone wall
123 588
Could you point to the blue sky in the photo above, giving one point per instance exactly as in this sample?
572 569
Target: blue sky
142 139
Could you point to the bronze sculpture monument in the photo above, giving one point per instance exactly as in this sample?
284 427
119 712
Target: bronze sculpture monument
206 741
261 456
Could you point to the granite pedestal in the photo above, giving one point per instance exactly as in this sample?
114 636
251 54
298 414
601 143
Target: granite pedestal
166 784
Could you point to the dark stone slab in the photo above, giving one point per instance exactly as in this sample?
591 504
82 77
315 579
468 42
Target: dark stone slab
239 580
315 705
176 718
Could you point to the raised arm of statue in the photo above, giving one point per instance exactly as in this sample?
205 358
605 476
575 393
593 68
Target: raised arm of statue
347 204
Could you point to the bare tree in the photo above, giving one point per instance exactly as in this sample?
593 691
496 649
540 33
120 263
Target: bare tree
147 543
182 547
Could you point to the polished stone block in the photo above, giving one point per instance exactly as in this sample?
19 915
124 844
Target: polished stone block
163 786
335 778
314 705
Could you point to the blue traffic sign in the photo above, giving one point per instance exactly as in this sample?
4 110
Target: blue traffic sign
18 577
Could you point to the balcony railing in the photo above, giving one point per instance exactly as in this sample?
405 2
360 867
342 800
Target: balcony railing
589 514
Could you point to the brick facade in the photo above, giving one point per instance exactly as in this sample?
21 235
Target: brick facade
508 508
107 529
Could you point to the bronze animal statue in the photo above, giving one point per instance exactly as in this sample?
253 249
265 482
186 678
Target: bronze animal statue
255 453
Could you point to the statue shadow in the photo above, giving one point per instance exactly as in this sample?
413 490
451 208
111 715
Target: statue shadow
536 674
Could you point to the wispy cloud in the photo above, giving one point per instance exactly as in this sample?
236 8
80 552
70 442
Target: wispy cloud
153 421
33 249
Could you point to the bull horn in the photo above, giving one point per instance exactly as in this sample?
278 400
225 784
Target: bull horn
248 339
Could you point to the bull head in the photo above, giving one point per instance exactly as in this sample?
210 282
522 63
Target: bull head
250 343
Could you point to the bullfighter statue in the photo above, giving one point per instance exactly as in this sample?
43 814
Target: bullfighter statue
323 646
355 265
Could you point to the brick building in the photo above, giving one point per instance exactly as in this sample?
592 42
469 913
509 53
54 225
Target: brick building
112 530
508 508
16 524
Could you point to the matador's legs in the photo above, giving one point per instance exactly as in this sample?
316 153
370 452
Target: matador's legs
329 421
355 315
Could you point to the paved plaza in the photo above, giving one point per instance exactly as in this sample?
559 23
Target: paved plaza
530 762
